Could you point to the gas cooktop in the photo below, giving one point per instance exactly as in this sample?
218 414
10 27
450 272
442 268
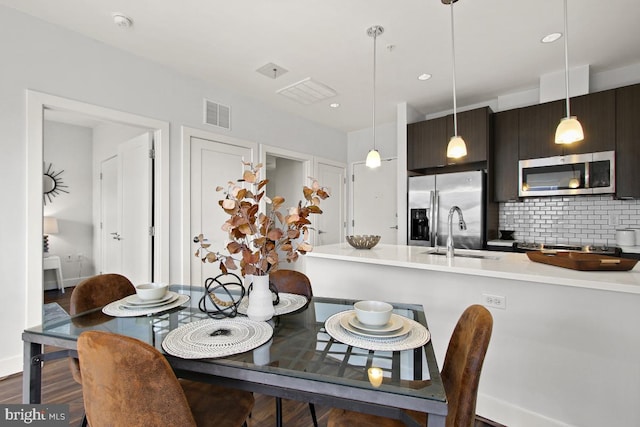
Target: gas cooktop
595 249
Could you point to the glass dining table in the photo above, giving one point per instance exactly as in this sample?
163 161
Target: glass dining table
301 361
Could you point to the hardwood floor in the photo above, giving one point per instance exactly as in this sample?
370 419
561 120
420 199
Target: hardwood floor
59 387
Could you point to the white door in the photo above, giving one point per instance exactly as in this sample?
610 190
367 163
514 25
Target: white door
374 200
331 224
213 164
135 209
126 210
109 245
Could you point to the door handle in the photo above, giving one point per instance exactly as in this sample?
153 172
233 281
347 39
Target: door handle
116 236
321 232
395 226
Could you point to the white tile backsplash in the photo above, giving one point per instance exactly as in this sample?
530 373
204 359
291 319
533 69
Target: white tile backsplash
571 219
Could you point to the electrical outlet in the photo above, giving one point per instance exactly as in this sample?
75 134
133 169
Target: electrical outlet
79 256
614 219
495 301
68 258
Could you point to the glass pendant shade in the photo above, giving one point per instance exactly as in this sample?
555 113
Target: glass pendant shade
569 130
373 159
456 147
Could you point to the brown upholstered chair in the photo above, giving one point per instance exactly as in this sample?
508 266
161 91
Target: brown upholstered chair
127 382
95 292
292 282
91 293
460 375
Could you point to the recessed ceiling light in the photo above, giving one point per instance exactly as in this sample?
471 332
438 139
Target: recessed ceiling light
550 38
334 105
424 76
121 20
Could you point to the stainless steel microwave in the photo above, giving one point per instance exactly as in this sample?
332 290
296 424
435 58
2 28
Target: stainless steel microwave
592 173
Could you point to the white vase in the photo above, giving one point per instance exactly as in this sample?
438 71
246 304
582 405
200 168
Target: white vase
260 300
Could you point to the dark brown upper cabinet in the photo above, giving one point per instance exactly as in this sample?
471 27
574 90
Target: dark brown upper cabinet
473 127
596 113
427 140
427 144
537 130
628 142
504 167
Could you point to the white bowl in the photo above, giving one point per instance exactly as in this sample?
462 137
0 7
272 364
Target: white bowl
151 291
374 313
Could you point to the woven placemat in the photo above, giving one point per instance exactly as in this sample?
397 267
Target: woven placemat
216 338
288 304
417 336
117 309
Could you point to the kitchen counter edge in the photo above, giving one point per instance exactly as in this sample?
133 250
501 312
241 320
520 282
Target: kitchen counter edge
508 265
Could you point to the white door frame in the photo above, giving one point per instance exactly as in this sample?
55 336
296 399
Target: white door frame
305 159
187 248
37 102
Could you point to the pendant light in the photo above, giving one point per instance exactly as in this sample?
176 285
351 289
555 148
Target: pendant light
569 130
373 158
456 147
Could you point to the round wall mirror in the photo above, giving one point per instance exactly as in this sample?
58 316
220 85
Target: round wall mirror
52 184
48 184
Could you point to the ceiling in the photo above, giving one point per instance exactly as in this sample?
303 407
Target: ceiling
498 48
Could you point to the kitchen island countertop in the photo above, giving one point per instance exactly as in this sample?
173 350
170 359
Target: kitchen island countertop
565 345
505 265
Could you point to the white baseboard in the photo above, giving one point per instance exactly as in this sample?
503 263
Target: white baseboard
11 365
509 415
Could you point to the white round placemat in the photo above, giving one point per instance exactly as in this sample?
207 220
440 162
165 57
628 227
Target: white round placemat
417 336
216 338
288 304
117 309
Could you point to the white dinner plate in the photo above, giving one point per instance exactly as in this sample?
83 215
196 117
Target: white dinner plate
172 298
405 329
136 300
395 322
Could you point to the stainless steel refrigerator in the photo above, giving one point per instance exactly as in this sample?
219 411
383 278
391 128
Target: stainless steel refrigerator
430 199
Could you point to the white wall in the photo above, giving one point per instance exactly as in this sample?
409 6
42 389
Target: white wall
361 141
68 148
46 58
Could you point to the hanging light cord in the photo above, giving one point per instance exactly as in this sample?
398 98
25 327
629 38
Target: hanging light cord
566 56
453 62
375 36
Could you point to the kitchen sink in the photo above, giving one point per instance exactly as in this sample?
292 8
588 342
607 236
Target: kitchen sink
462 253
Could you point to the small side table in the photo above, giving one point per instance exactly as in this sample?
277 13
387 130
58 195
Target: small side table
53 263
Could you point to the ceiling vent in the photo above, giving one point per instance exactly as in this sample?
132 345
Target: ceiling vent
217 114
307 91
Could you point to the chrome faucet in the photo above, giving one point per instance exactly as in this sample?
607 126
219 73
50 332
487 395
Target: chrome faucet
462 224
